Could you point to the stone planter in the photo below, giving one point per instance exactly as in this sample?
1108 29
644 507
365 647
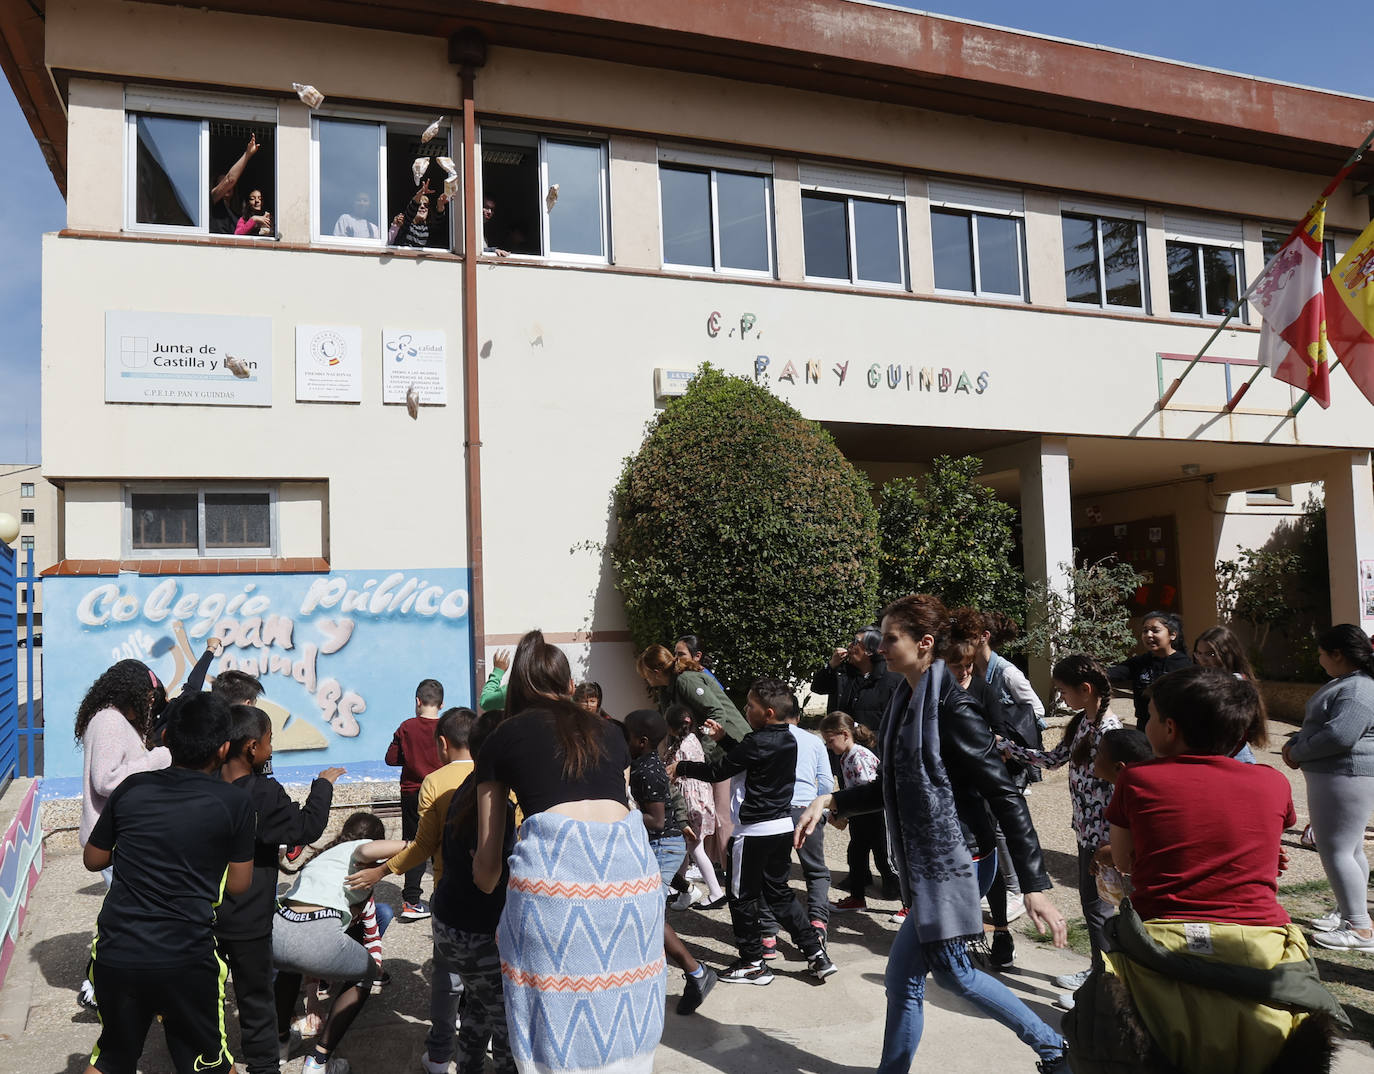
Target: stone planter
1286 701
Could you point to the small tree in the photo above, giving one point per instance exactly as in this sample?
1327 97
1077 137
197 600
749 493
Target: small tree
946 534
740 520
1092 617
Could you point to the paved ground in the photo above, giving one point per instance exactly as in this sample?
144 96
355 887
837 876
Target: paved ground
793 1025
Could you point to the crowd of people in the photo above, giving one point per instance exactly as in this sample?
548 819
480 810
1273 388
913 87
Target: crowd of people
559 837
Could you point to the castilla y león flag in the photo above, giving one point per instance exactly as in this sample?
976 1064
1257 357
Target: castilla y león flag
1350 302
1291 301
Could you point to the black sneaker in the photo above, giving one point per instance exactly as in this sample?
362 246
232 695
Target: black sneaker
741 972
85 995
414 911
1003 951
1059 1065
698 988
820 965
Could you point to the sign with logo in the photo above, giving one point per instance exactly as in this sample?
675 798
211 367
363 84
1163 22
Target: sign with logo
187 358
414 358
339 654
329 363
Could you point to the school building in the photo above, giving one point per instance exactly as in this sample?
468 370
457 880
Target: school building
933 236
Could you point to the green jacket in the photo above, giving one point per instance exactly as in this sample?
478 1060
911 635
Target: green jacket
493 694
702 694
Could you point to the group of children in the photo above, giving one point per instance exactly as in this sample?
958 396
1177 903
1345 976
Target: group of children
201 809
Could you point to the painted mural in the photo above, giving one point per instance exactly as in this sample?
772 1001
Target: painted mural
340 654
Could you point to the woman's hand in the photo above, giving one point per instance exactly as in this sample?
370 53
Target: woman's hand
1288 757
811 816
1047 919
365 879
838 657
839 823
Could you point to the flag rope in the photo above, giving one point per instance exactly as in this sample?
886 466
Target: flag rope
1346 168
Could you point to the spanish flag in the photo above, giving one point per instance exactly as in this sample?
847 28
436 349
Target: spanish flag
1350 311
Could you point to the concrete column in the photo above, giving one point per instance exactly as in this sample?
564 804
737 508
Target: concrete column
787 211
1350 535
1046 529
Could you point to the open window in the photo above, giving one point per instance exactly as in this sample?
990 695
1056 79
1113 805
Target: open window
365 191
200 164
544 196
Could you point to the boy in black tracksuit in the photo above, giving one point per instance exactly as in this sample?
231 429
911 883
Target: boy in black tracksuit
243 923
760 851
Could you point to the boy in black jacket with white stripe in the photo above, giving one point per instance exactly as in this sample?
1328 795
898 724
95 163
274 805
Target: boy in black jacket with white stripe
764 768
243 923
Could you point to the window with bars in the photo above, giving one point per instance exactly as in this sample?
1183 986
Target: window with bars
205 521
26 517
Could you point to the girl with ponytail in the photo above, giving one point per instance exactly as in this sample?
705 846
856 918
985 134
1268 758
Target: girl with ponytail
1335 750
853 744
1083 684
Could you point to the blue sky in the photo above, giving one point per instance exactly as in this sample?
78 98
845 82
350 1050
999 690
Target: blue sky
1314 46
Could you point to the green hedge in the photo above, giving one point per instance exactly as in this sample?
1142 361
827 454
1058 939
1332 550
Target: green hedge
739 520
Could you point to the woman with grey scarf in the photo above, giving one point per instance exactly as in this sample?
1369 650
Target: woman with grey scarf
940 776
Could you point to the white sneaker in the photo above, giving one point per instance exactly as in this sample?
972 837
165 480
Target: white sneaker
429 1066
1064 1002
693 873
687 899
334 1065
1344 938
1327 922
1016 906
1072 981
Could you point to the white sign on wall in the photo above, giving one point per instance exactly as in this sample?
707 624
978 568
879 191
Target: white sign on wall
180 358
414 357
329 363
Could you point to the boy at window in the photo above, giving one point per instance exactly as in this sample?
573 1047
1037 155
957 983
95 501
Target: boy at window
181 833
358 224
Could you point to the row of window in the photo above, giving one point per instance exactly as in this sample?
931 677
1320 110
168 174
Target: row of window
376 182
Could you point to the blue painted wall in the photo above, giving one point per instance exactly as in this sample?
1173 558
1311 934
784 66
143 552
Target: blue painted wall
340 654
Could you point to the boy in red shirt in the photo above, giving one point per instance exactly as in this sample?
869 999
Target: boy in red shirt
1197 830
414 749
1219 976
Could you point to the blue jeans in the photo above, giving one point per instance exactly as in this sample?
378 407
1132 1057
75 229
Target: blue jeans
670 850
907 966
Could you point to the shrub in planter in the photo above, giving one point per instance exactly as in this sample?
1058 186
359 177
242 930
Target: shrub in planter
740 521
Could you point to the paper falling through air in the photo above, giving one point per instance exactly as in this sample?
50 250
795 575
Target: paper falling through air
450 175
432 131
309 95
418 168
551 198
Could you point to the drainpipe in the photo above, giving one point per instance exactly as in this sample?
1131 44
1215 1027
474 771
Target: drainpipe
467 49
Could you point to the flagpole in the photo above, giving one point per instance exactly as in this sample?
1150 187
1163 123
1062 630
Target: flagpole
1293 412
1234 401
1350 163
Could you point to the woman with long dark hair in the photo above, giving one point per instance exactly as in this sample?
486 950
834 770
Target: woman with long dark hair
682 680
1335 750
939 768
581 935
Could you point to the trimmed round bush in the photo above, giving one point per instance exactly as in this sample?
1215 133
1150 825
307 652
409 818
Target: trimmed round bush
739 520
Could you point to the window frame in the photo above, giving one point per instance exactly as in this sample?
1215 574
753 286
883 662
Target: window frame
1097 216
26 490
187 104
1021 266
1242 312
852 240
712 165
202 550
541 138
1273 234
27 516
27 543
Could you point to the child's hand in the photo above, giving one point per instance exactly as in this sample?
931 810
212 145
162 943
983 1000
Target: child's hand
1287 757
214 645
501 659
714 730
1283 860
672 771
365 879
332 774
689 832
839 823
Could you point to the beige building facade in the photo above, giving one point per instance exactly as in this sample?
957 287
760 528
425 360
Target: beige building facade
932 237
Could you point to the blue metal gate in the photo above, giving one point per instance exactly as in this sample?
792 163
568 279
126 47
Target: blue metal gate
21 726
9 666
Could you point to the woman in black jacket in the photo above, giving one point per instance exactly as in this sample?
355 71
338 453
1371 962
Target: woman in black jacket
940 777
857 681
